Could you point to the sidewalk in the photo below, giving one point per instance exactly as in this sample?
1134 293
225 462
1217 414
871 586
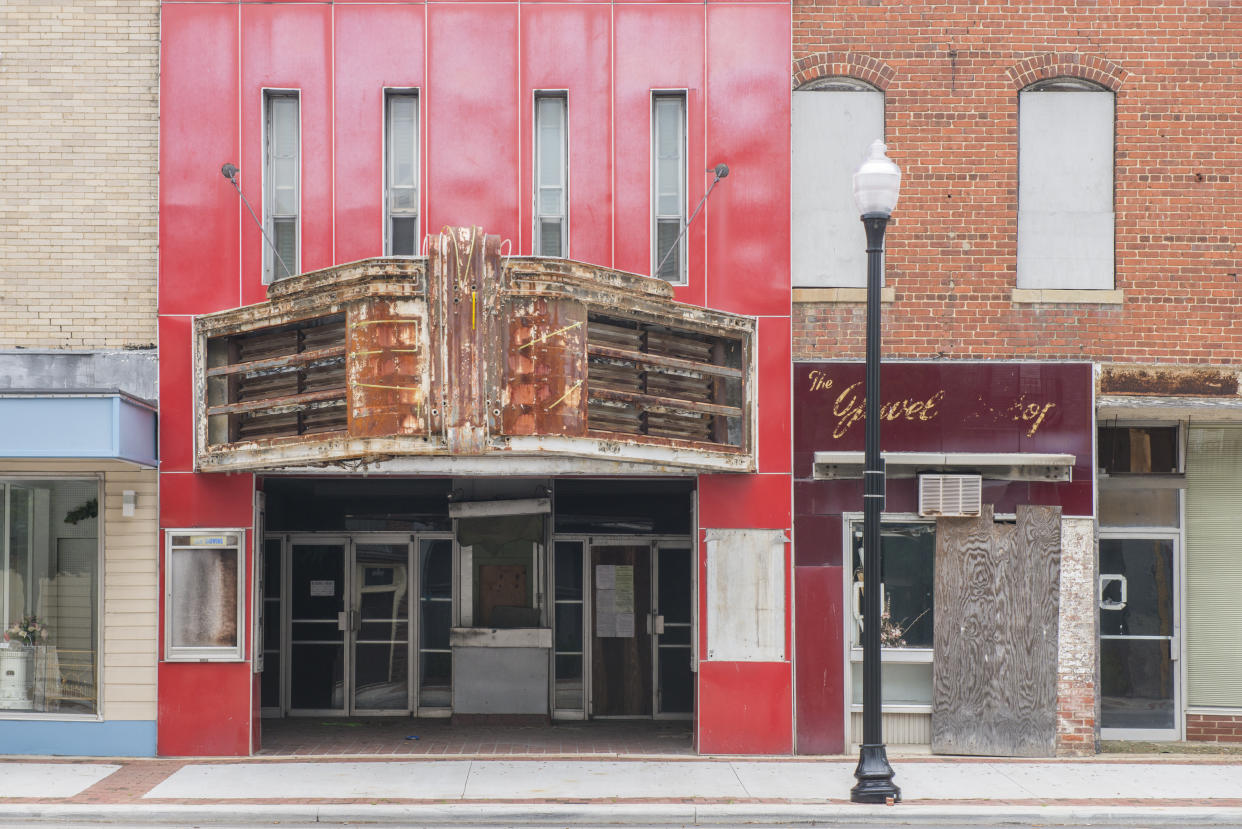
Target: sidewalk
635 790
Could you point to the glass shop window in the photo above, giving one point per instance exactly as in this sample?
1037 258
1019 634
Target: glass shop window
907 612
203 595
501 567
1140 476
49 596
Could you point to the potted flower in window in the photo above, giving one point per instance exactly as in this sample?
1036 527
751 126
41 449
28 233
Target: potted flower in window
20 638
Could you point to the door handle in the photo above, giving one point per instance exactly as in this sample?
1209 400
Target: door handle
659 624
342 620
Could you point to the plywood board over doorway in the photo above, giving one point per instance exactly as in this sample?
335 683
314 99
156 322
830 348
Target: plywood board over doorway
996 598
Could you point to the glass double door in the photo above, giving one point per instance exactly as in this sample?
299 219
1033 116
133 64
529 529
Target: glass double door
1139 647
364 624
640 629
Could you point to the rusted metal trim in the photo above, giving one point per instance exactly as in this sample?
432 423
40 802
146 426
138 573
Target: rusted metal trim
675 443
412 454
279 362
655 403
1161 381
663 362
289 403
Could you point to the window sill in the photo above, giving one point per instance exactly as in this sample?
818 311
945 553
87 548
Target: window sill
840 295
895 708
48 716
924 655
1027 296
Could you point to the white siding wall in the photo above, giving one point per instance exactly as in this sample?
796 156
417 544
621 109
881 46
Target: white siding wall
130 593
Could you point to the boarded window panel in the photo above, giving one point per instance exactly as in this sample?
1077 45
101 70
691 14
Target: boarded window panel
1065 190
831 132
746 595
1213 574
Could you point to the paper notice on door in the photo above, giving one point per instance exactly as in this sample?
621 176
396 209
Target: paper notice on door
625 589
614 601
605 613
322 588
625 625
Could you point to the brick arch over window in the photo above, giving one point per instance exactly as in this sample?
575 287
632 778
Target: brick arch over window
820 65
1067 64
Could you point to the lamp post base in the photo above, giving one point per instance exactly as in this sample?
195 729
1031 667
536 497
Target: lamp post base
875 777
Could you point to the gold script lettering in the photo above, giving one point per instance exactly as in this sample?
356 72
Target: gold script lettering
849 408
820 382
1032 413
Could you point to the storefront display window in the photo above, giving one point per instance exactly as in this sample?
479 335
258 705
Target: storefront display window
907 582
204 602
49 596
501 567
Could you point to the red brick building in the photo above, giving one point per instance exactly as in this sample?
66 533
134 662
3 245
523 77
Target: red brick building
1069 194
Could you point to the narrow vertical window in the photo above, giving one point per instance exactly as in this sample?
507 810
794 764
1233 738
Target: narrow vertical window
282 171
551 175
401 178
668 175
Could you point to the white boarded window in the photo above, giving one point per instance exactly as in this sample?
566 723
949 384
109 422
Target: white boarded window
668 184
282 174
1065 186
401 173
834 122
745 595
551 175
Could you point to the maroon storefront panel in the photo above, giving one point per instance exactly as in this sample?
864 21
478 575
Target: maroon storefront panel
954 407
1036 408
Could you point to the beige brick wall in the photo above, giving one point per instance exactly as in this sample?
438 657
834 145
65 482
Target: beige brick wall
78 161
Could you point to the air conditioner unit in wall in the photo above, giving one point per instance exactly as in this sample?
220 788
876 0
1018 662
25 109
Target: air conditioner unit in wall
950 496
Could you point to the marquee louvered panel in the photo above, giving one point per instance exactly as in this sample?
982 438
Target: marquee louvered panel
677 385
282 381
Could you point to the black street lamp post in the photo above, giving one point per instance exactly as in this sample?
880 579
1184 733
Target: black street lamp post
876 187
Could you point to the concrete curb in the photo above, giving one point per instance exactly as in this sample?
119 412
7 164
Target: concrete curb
607 814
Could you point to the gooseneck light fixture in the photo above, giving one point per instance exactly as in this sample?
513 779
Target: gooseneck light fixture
877 185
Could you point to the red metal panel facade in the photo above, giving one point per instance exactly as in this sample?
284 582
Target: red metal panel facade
476 67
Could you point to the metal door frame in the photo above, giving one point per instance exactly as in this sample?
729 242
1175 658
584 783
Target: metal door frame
349 541
286 622
411 583
1177 644
416 619
657 548
653 543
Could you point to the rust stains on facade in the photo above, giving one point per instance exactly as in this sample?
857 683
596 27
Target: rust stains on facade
468 354
1168 381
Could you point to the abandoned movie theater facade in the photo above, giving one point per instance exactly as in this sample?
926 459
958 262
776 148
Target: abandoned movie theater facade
443 448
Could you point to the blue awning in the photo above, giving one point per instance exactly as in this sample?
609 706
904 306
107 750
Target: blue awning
103 424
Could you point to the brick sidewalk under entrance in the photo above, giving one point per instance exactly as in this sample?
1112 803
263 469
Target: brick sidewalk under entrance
323 736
